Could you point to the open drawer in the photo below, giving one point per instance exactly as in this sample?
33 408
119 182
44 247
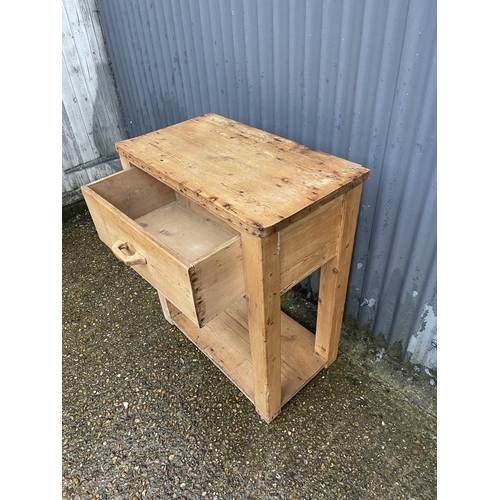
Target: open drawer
188 255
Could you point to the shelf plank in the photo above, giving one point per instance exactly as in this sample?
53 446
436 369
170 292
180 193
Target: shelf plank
225 341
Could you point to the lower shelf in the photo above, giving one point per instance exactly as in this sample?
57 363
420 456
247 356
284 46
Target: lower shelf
225 341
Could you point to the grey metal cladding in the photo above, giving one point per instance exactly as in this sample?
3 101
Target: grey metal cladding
355 79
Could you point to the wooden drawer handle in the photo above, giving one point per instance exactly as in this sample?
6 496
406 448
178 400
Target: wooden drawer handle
130 260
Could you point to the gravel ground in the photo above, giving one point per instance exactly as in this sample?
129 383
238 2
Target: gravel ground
145 415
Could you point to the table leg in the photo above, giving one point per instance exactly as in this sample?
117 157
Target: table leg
169 310
261 265
126 165
333 282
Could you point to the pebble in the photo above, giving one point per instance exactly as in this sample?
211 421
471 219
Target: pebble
177 442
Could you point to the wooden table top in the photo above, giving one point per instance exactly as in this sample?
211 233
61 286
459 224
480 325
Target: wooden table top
254 180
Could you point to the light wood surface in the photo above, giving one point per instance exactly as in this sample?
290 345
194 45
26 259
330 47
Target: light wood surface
222 218
225 340
188 257
333 282
261 267
256 181
169 310
309 243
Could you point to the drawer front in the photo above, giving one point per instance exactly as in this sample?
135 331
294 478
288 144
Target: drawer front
200 289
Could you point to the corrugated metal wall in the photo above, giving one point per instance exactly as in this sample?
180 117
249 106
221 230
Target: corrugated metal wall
353 78
91 116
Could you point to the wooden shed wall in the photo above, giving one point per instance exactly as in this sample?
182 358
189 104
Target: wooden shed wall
91 115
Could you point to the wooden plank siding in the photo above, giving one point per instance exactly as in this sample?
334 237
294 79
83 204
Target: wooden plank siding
91 115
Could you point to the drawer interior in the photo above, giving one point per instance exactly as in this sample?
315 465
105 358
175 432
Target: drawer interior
186 229
133 192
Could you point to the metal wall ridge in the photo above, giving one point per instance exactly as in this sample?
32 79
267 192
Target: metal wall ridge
355 79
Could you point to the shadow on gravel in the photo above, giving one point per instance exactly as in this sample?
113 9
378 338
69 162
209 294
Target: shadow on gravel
147 416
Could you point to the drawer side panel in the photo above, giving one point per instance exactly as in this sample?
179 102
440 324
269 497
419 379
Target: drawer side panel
309 243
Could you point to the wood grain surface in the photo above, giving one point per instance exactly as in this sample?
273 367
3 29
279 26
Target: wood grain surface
256 181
